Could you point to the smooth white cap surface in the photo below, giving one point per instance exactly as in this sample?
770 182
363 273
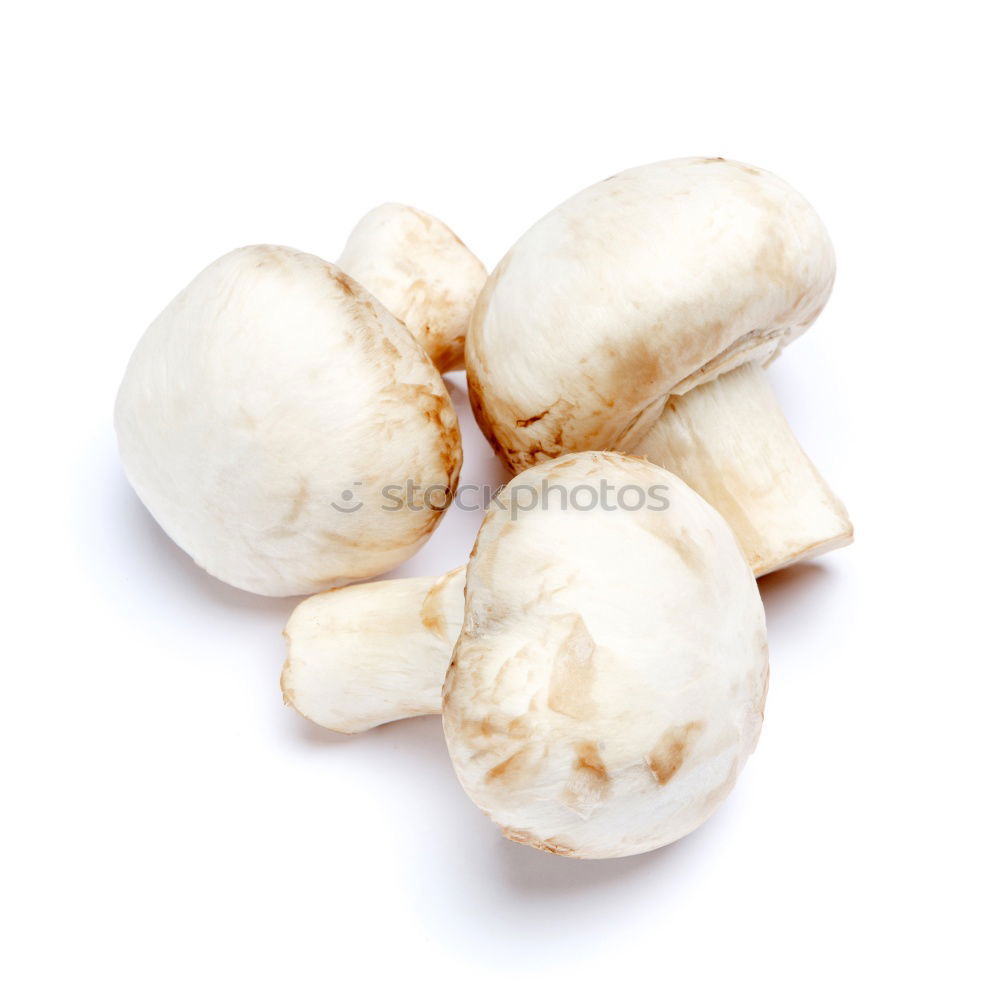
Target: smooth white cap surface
270 390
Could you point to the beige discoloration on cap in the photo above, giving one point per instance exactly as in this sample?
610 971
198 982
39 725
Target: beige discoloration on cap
525 837
668 755
589 781
608 681
627 299
267 402
571 685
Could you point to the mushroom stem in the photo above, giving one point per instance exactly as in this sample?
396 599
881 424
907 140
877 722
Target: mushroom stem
729 441
367 654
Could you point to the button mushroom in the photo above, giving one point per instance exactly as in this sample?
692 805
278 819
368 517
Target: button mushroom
609 676
639 315
266 410
609 680
421 272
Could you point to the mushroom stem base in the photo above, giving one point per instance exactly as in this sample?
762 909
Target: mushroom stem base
729 441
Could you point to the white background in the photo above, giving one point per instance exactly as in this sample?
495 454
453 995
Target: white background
170 829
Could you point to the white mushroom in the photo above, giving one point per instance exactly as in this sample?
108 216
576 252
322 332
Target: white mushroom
421 272
639 315
610 670
265 412
609 680
364 655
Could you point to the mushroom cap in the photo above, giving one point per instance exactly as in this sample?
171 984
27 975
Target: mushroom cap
271 388
642 286
421 272
609 680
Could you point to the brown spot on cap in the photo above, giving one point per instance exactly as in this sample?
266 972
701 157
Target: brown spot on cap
510 770
518 728
475 729
589 781
345 282
528 421
588 759
298 502
526 837
670 752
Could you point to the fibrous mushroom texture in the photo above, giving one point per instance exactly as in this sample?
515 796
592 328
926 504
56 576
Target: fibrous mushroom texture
609 680
638 316
265 412
421 272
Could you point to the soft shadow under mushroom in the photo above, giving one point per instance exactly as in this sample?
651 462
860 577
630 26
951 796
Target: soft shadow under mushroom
787 593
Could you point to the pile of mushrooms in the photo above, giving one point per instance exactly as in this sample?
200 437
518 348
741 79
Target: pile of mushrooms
600 667
608 679
638 316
